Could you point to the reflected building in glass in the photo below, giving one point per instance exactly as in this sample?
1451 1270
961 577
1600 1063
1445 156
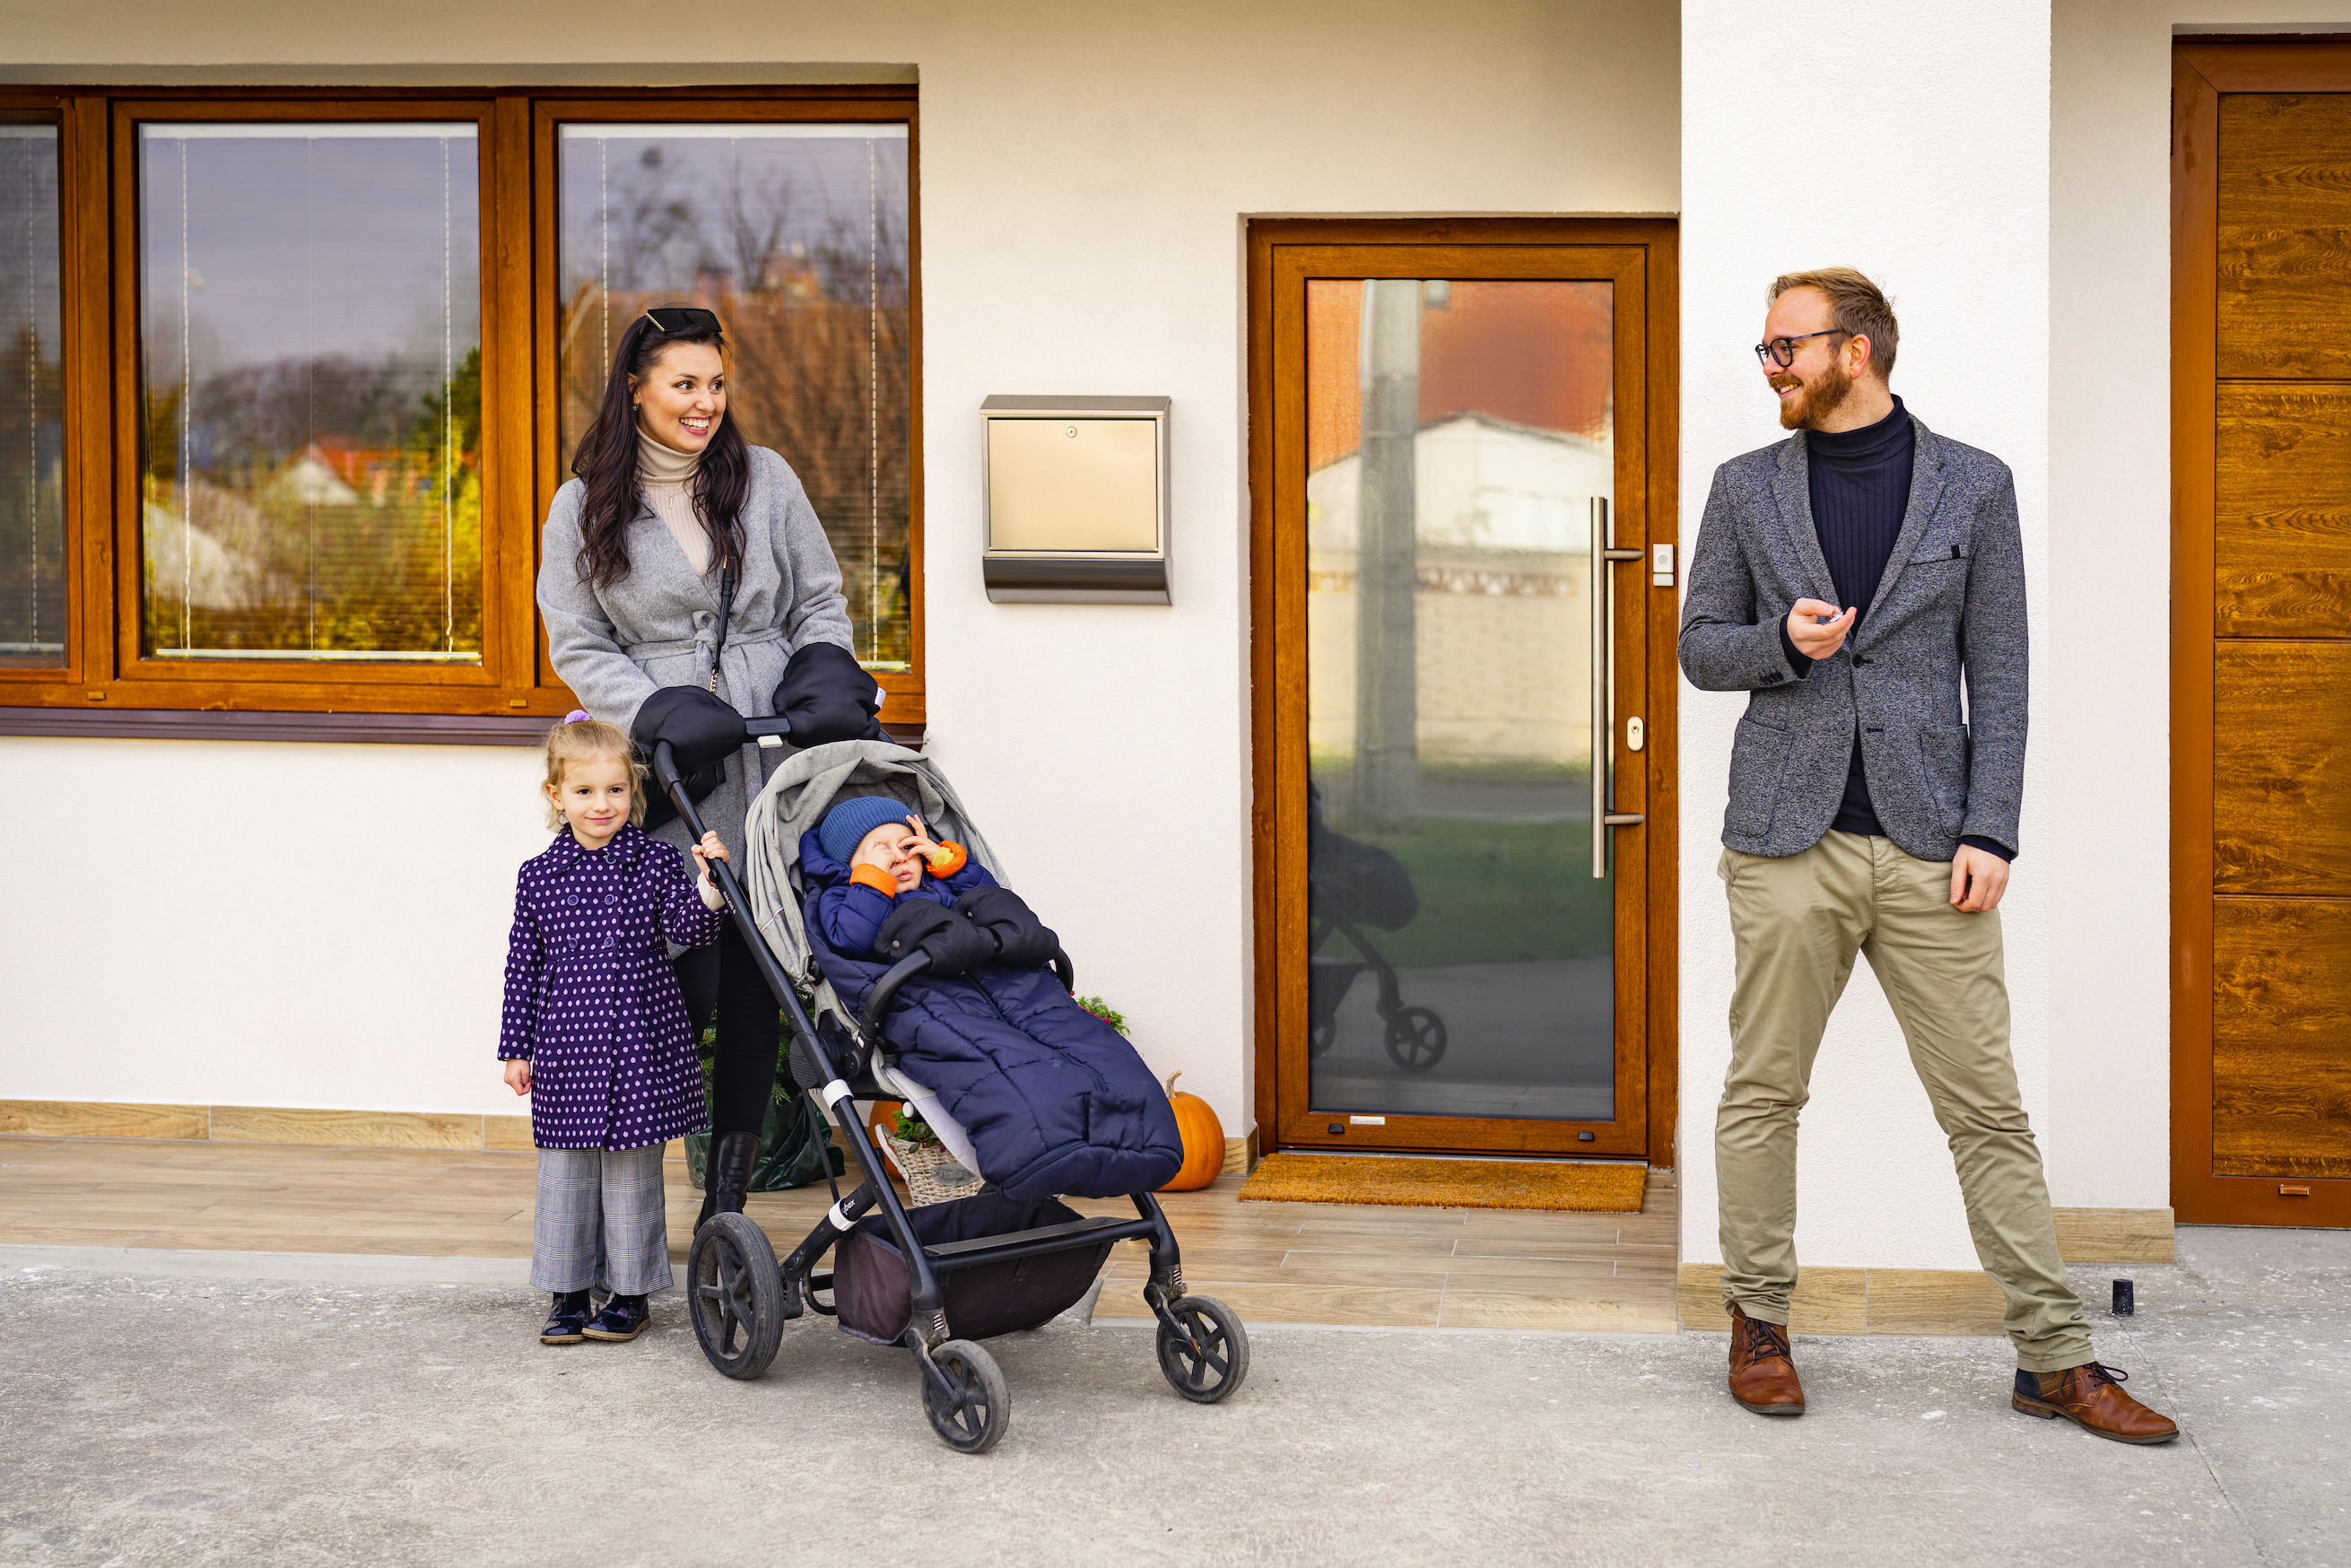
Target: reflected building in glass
1461 450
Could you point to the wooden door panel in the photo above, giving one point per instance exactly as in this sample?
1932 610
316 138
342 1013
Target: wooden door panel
2285 234
2260 625
2282 522
2282 768
2280 1038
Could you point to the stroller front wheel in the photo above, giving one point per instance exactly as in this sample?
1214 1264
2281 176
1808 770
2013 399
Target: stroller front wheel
1417 1039
971 1414
1212 1364
735 1294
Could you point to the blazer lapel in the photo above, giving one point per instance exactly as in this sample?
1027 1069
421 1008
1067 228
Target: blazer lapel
1793 490
1926 492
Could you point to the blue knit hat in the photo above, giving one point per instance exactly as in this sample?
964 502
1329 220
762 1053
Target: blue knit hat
846 825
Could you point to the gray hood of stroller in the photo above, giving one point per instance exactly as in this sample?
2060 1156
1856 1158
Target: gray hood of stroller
796 799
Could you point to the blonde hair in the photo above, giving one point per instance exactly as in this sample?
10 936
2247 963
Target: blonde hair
582 740
1858 307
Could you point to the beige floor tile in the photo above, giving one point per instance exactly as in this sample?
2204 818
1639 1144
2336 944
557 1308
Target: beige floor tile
56 1236
1470 1309
1298 1303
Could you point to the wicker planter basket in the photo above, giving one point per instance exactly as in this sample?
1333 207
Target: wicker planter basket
932 1175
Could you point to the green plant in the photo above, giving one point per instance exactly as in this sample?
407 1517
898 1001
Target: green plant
1104 1012
912 1129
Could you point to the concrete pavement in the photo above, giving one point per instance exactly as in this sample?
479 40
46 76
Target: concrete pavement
148 1420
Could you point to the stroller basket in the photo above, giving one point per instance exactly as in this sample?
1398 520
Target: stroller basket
933 1279
873 1287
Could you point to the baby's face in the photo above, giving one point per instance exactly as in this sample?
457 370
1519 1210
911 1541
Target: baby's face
890 846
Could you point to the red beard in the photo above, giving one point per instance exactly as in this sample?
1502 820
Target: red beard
1818 399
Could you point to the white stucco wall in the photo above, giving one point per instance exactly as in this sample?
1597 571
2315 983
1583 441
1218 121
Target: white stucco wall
1911 142
2108 713
1086 170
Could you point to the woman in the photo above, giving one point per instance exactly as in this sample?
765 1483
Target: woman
686 583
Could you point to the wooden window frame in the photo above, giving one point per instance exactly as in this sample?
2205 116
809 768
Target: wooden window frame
506 697
2202 70
1647 465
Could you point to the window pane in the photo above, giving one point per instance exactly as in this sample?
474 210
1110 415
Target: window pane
32 428
796 234
1460 442
310 391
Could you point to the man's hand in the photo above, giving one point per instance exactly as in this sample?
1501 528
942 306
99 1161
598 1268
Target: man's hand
518 1076
1978 879
1814 638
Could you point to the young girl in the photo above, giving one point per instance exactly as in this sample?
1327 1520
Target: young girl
595 1031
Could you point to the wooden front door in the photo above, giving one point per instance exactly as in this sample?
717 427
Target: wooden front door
2262 633
1464 555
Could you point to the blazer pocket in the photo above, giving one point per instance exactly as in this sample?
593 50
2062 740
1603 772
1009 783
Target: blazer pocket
1943 758
1759 756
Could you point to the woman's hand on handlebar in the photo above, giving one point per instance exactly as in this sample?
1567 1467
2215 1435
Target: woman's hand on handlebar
518 1076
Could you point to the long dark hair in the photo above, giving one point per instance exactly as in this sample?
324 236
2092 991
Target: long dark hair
607 459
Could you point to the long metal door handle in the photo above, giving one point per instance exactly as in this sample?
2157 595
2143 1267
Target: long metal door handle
1604 727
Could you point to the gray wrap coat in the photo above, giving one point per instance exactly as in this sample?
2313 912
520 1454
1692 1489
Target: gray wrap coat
658 626
591 1002
1949 612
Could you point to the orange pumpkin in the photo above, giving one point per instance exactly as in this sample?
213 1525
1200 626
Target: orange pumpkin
1204 1140
881 1120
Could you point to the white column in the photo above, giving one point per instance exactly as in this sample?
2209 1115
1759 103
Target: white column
1911 142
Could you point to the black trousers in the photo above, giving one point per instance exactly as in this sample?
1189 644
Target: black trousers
722 978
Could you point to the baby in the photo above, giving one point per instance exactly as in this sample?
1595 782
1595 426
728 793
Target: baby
891 858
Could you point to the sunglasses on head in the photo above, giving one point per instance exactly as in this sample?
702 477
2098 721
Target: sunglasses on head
683 318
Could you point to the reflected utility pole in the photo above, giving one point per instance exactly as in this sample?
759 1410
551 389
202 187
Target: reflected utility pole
1387 742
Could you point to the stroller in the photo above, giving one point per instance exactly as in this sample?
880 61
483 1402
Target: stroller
1351 885
933 1279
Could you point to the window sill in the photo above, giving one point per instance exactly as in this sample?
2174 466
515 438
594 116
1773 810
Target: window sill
379 728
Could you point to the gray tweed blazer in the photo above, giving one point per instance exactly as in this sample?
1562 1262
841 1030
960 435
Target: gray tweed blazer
1949 609
658 626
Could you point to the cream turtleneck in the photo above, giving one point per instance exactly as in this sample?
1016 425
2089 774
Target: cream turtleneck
666 477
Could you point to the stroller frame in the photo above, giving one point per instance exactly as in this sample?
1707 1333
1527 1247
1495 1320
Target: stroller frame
741 1297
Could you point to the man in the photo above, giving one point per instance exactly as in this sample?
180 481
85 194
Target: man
1849 578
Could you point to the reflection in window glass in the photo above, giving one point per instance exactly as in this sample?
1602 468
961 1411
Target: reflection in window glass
797 235
311 390
1460 443
32 431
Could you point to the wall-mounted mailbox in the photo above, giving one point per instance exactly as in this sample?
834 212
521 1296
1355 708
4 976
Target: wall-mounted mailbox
1075 499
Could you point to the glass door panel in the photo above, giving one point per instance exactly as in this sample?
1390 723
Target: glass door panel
1460 456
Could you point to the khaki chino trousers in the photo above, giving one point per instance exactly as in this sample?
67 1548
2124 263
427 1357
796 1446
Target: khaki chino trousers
1798 921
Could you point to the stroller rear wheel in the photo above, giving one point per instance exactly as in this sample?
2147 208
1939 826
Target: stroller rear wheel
973 1417
736 1295
1415 1039
1214 1360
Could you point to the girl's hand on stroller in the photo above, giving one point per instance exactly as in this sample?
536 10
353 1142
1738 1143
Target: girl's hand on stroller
709 849
518 1076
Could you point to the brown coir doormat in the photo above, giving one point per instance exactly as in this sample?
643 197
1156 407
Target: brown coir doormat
1446 1184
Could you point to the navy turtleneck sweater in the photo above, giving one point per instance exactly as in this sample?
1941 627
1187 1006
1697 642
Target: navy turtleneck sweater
1860 483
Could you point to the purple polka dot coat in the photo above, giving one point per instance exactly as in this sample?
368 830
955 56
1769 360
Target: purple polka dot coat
591 1002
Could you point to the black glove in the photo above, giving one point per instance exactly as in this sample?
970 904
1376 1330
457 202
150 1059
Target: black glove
701 730
828 697
1022 941
956 945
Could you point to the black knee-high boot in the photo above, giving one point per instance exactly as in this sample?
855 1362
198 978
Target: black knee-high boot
726 1179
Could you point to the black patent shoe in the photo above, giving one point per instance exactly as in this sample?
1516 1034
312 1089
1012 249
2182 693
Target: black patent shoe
623 1318
566 1319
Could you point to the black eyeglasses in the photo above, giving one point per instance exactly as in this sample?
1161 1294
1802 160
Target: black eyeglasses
1781 351
683 318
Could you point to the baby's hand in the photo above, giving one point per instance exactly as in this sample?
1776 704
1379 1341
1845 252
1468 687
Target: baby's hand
924 844
518 1076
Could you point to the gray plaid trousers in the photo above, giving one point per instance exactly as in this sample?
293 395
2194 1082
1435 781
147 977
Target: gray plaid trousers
599 1222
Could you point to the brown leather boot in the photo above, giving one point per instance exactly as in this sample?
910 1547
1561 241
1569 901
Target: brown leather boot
1762 1371
2091 1396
